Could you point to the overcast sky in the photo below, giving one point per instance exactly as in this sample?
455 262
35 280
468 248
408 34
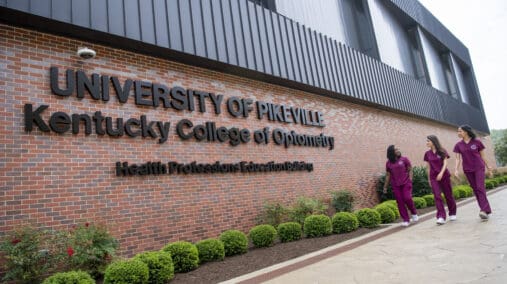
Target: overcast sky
480 25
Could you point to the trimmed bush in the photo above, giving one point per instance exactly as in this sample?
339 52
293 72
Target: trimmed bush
235 242
368 218
490 184
419 202
127 272
344 222
210 250
430 199
71 277
262 235
160 266
386 214
342 201
458 192
393 205
317 226
289 231
184 254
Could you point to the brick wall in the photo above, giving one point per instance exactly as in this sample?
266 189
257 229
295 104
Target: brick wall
57 180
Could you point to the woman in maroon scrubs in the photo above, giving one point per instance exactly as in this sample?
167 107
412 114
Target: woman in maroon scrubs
399 173
470 153
440 179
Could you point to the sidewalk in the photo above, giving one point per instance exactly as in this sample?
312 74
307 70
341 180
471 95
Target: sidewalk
464 251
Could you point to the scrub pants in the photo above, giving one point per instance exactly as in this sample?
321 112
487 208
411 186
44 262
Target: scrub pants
476 180
443 186
403 196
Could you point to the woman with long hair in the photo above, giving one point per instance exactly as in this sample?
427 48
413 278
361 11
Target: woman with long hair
470 154
439 178
399 174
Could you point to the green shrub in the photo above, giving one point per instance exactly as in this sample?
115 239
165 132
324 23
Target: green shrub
393 205
235 242
306 207
468 189
490 184
498 180
29 253
344 222
317 226
289 231
160 266
342 201
262 235
94 248
210 250
420 183
430 199
386 214
273 214
184 254
126 272
71 277
419 202
368 218
458 192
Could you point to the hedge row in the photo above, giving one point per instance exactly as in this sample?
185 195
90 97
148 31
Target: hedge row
181 256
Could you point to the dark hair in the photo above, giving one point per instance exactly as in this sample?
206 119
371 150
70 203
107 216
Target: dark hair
468 130
391 155
440 150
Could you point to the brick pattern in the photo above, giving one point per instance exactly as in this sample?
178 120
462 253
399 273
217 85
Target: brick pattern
56 180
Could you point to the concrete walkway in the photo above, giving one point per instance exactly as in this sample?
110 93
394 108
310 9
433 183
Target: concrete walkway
464 251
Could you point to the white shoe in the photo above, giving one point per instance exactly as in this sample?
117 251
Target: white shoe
483 215
405 224
415 218
440 221
452 217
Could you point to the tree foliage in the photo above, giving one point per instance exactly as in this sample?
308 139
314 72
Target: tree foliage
499 138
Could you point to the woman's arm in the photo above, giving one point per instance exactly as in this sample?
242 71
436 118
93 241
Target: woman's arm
442 171
428 172
386 183
486 163
458 164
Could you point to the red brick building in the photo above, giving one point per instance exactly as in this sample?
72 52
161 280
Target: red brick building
69 124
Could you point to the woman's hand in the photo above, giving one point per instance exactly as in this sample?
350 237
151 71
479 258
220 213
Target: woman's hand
489 171
439 177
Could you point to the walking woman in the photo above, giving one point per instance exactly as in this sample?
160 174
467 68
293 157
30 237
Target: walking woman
440 179
399 173
470 153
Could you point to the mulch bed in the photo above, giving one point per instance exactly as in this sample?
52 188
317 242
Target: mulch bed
258 258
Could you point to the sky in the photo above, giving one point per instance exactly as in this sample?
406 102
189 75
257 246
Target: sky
480 26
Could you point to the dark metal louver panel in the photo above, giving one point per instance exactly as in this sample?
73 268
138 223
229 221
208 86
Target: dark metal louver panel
242 38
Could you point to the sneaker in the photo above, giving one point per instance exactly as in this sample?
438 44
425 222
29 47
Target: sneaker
440 221
483 215
415 218
405 224
452 217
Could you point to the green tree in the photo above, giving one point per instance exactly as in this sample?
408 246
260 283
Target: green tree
499 138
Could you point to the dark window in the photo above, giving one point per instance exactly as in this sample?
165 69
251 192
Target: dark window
359 27
268 4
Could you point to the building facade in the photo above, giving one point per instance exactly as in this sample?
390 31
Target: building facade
194 113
